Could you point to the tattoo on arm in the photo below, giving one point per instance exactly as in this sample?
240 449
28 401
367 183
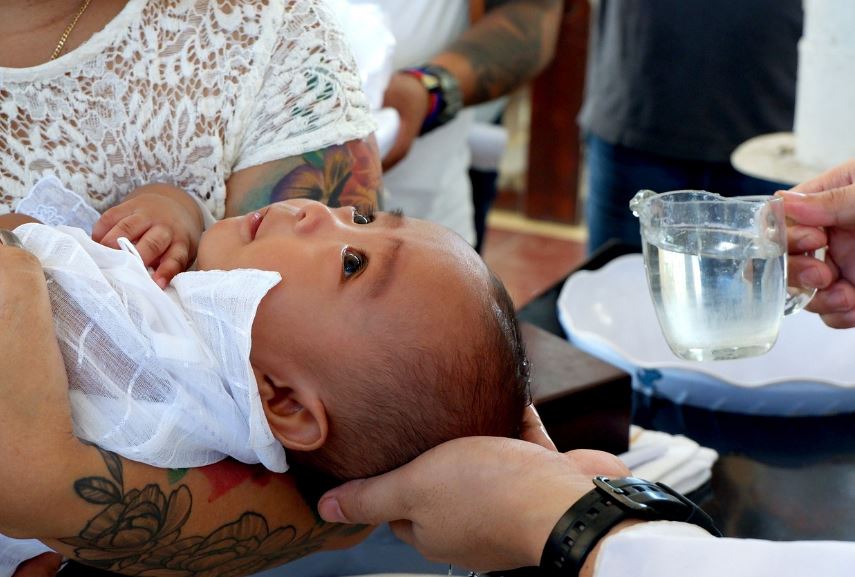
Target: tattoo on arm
140 532
508 46
348 174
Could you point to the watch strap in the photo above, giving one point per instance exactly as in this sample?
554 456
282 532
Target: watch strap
610 502
577 532
445 97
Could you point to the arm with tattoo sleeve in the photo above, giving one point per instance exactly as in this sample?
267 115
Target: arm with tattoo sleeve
348 174
512 43
126 517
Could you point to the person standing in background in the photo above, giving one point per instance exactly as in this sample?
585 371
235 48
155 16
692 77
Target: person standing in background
673 87
447 57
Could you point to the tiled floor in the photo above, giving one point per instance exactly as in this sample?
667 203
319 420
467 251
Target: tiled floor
531 256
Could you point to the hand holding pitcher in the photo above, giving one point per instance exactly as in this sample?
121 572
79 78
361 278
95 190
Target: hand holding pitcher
821 212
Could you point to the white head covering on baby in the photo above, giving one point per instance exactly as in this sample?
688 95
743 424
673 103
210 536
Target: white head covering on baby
161 377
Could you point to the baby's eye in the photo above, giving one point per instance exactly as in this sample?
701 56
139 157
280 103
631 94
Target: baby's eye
352 262
363 215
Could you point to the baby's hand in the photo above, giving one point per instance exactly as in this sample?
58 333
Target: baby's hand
164 224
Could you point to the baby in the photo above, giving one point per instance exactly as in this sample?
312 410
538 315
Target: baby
355 340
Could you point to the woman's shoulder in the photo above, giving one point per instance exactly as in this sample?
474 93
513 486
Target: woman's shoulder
236 12
239 22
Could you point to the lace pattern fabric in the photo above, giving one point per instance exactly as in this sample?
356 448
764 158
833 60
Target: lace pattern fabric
51 203
180 91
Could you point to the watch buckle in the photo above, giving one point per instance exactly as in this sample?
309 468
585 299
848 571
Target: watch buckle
620 494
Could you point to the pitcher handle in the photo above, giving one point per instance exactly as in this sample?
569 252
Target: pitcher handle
798 298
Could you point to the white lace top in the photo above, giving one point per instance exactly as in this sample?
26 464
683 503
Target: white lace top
180 91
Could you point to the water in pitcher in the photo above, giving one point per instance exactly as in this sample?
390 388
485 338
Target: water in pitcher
718 293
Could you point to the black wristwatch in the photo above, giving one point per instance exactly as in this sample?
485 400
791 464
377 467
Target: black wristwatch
609 503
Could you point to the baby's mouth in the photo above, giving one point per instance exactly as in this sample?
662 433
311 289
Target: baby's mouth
255 223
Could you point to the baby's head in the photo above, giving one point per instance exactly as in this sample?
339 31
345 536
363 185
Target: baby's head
386 337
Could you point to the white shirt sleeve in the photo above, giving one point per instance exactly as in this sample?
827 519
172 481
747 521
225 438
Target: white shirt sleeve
668 549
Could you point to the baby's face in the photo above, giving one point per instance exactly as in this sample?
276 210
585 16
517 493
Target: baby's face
349 283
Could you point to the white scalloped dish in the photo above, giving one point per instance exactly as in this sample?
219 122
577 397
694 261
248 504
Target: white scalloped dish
810 370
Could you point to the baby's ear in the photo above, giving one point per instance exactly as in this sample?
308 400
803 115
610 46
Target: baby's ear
295 412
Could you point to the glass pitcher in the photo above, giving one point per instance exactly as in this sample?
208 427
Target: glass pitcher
717 271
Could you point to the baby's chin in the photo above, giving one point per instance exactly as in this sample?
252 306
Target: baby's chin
206 257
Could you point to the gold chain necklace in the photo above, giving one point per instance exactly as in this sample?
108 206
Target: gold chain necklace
58 50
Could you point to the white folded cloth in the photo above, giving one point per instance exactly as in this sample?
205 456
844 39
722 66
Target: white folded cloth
675 460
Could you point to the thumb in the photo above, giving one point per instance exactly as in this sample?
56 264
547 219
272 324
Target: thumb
832 207
366 501
534 431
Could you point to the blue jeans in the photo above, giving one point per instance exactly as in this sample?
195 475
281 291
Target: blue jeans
616 173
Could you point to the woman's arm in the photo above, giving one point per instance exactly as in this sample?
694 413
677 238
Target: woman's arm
104 510
348 174
11 220
121 515
32 384
228 517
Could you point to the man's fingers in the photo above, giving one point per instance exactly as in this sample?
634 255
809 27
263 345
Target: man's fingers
173 262
533 430
839 298
805 238
597 463
154 243
403 530
832 207
808 272
131 227
837 177
367 501
840 320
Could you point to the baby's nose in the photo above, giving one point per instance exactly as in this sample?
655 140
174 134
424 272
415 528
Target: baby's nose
311 216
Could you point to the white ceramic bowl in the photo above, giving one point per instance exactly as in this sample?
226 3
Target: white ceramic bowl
810 370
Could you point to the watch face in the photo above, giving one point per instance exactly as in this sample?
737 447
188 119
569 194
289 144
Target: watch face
430 82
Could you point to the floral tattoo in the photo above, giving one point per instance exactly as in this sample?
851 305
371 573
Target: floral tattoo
348 174
139 532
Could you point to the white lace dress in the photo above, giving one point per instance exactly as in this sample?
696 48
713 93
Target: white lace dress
180 91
